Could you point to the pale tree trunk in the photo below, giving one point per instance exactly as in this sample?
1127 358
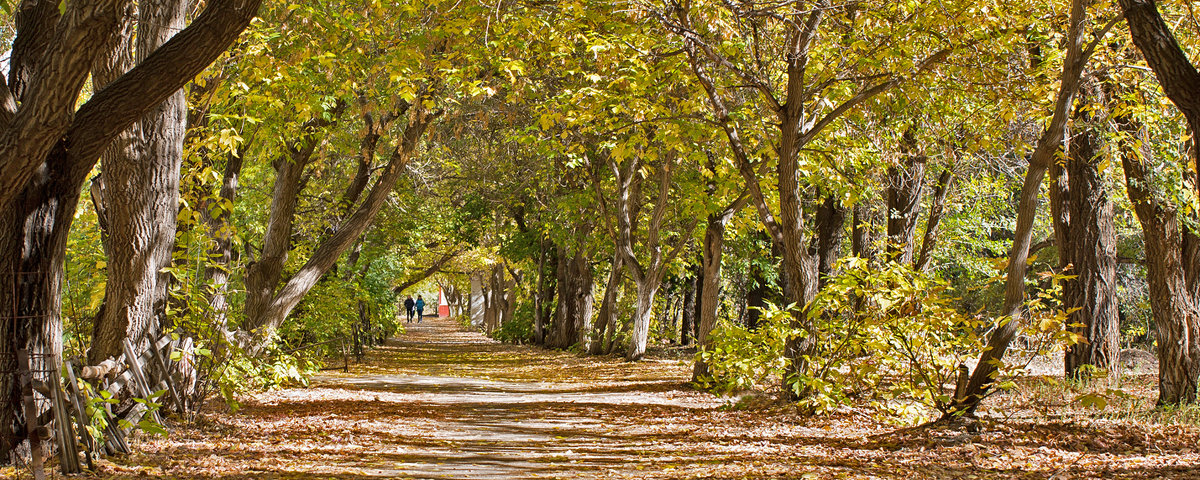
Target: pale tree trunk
41 179
1087 245
647 277
141 198
1173 276
640 332
981 380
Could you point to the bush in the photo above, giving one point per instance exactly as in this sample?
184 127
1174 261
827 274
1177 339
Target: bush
885 332
518 330
743 359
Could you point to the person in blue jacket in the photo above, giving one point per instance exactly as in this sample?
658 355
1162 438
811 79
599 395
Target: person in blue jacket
420 308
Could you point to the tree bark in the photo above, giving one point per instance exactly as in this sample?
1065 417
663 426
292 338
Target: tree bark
42 177
691 290
1173 303
141 197
646 276
606 321
906 184
830 223
547 287
1174 277
539 297
575 283
709 296
1049 144
1087 245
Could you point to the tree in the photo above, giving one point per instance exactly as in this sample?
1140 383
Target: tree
139 192
785 42
48 147
1049 144
647 272
1087 242
1171 252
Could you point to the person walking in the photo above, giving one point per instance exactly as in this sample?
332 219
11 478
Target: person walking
420 308
408 307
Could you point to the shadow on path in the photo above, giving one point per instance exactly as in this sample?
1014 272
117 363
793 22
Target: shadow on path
441 403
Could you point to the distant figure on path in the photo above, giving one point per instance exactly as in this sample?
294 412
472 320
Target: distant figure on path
408 307
420 308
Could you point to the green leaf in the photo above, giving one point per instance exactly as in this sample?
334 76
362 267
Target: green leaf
1092 400
152 428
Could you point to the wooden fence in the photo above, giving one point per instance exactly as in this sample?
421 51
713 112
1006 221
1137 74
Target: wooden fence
61 405
64 416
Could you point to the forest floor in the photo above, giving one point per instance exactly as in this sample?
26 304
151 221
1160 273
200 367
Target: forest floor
440 402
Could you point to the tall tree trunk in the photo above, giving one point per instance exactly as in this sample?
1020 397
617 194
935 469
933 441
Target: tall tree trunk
264 275
1087 246
539 297
562 329
1173 304
575 284
41 177
906 183
606 321
691 290
1173 276
1049 144
489 304
944 184
789 98
708 301
141 200
647 276
35 235
549 292
830 222
640 332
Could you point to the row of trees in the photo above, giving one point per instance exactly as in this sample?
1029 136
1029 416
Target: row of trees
868 122
267 190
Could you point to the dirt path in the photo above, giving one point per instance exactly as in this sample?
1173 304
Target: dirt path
441 403
498 411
